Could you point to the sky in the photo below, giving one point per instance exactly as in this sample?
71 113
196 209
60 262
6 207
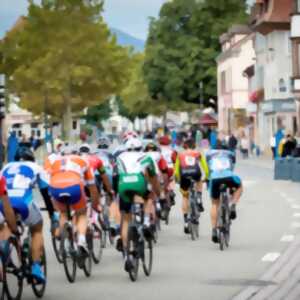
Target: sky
131 16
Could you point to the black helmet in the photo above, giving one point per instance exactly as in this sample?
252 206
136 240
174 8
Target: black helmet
25 154
151 147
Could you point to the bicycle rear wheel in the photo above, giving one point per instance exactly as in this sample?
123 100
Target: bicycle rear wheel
194 221
69 253
87 267
133 253
13 273
39 289
146 253
222 240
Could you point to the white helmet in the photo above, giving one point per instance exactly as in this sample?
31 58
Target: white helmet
134 144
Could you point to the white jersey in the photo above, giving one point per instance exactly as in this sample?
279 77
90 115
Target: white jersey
130 162
167 153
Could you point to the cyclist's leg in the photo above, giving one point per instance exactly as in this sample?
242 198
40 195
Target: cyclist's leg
35 223
185 184
235 183
215 197
199 186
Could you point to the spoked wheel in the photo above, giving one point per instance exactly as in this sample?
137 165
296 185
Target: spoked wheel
68 253
222 239
194 222
87 267
56 247
146 253
12 272
39 288
96 243
2 278
133 254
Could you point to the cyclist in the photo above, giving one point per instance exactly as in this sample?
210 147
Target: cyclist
21 177
135 170
221 164
188 165
162 171
69 174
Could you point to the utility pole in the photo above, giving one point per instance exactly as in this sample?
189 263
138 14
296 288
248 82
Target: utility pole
2 116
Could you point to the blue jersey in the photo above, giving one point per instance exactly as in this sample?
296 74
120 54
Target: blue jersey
21 178
220 163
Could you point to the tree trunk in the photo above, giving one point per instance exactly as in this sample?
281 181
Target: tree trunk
67 121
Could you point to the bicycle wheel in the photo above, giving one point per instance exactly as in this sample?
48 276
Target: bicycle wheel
133 253
96 244
13 273
68 253
194 223
39 289
56 248
146 250
221 240
87 267
2 278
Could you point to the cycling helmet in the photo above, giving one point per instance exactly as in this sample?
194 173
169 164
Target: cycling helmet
85 148
129 135
164 140
151 147
134 144
103 143
25 154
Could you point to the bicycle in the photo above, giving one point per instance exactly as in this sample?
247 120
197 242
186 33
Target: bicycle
194 213
224 221
139 247
95 238
16 266
68 247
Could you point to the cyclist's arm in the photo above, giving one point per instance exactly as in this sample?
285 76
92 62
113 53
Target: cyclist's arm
91 185
177 169
204 166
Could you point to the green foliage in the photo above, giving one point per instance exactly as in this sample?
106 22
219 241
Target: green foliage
98 113
65 52
183 45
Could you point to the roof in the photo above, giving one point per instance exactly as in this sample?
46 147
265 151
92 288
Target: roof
207 119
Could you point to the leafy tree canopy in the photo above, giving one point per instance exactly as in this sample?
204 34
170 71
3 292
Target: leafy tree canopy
183 45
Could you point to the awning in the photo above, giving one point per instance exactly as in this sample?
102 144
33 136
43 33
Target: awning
207 119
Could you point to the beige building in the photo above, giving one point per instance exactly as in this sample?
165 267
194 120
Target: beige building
233 93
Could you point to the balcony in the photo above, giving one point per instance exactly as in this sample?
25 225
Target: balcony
270 15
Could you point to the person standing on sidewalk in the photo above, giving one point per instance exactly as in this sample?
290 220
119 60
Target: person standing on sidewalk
232 143
273 146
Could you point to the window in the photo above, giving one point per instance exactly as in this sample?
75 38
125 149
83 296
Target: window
38 133
282 86
16 125
74 125
34 125
296 58
298 6
33 133
266 6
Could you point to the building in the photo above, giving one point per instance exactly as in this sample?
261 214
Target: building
270 85
295 38
233 95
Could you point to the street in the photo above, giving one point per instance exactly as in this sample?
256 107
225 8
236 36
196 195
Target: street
184 269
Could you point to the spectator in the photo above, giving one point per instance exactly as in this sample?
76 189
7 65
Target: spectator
278 137
273 146
232 143
245 147
213 137
289 146
12 147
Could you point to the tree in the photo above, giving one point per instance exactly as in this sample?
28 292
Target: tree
183 45
65 54
136 100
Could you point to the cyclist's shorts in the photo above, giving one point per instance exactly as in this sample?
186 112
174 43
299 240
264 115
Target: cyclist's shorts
232 182
28 211
70 185
130 185
187 174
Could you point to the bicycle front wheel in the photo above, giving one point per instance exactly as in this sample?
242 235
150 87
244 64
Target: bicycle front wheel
146 249
39 289
68 253
97 244
56 248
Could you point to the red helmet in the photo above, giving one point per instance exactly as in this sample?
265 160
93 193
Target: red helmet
164 140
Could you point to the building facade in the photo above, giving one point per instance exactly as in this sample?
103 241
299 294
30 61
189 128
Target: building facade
271 86
233 95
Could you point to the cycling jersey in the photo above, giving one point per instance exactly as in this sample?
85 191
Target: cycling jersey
160 163
3 190
95 163
21 178
168 155
69 175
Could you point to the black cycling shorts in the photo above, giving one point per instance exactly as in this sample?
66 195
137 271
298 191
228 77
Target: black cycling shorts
232 182
187 174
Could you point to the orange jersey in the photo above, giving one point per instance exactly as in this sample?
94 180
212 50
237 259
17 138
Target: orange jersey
189 158
68 170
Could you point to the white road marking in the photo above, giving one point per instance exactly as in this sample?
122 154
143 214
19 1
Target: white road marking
296 215
270 257
295 206
287 238
290 200
295 225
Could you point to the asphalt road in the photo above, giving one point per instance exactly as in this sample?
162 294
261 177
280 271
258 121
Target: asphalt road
184 269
